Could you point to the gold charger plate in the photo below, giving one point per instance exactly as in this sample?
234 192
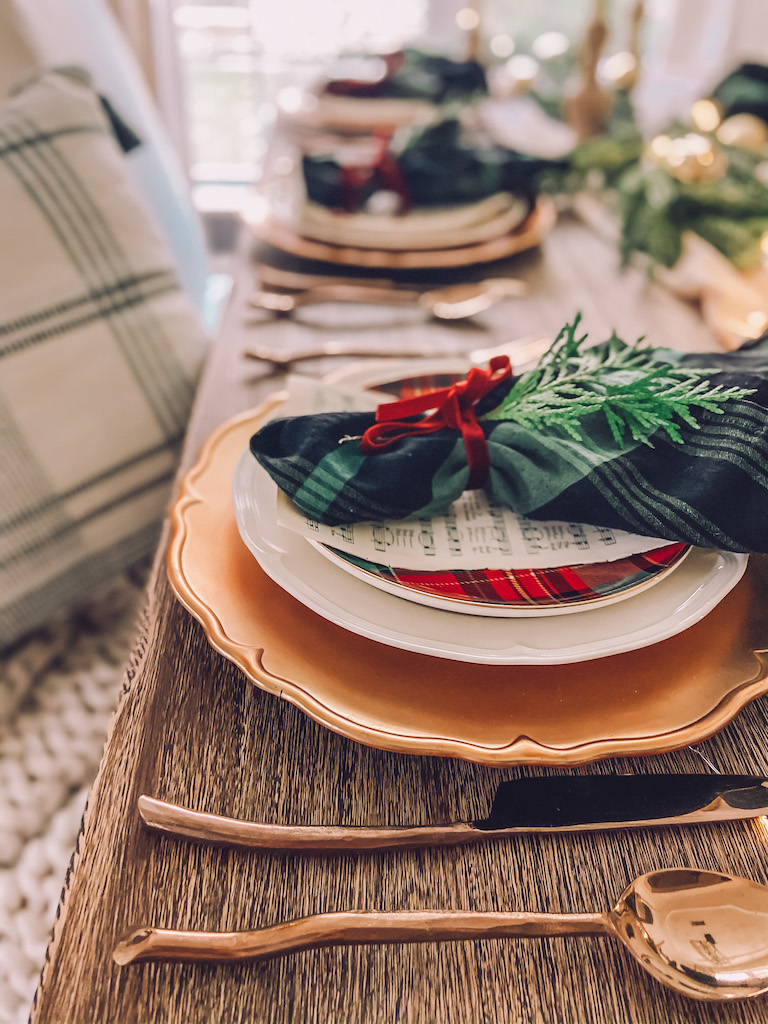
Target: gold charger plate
529 234
659 698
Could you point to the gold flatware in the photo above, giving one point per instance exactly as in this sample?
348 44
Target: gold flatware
449 302
701 933
545 804
279 278
522 352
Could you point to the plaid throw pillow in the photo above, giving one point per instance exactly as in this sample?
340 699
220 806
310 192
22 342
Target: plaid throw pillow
99 355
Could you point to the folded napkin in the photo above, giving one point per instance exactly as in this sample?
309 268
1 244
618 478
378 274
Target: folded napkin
413 74
436 167
744 91
709 488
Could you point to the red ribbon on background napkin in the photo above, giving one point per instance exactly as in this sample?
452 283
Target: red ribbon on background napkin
453 407
354 177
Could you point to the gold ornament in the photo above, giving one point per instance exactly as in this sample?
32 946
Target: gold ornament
689 158
706 115
744 130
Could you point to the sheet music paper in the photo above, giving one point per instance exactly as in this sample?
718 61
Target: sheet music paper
478 534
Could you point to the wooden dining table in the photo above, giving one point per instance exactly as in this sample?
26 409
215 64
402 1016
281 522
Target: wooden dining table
191 728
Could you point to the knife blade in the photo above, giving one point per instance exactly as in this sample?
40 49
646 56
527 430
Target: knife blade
573 803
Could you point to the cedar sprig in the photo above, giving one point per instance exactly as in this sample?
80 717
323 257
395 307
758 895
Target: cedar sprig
637 393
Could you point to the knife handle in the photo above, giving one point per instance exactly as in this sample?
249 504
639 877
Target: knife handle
350 928
182 822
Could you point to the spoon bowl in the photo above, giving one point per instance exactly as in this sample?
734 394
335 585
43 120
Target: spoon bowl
702 933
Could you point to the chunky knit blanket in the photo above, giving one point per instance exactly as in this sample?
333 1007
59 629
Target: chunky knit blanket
58 689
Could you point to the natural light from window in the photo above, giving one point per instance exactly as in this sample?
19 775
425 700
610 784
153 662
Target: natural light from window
236 55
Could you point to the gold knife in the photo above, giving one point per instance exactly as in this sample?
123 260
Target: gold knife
579 803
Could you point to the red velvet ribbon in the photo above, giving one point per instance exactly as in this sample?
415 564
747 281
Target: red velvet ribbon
453 407
354 177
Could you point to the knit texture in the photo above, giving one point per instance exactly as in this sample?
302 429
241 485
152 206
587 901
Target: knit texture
58 689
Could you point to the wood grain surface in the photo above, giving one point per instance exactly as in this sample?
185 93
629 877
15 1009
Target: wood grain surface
191 729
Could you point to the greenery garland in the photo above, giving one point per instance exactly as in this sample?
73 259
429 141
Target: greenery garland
731 212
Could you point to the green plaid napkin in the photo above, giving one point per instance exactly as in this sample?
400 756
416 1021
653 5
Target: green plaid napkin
414 74
436 167
744 91
711 490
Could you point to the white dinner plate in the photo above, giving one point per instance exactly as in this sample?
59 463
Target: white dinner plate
385 373
679 600
438 228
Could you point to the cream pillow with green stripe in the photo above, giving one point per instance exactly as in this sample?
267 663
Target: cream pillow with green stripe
100 351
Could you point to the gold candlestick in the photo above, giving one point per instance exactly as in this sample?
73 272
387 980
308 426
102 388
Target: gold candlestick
470 18
633 45
587 105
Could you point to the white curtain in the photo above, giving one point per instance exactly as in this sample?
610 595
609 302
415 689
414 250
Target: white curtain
135 18
708 38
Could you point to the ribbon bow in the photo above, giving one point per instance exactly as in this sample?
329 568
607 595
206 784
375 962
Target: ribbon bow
354 177
453 408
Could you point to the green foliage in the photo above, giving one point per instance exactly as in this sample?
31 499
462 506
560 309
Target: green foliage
604 157
637 393
731 213
620 145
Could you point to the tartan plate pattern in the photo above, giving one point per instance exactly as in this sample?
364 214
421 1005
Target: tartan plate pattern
528 588
100 351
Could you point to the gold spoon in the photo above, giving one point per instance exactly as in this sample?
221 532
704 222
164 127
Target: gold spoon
702 933
451 302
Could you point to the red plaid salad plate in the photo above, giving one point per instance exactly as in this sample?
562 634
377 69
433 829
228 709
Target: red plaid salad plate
517 592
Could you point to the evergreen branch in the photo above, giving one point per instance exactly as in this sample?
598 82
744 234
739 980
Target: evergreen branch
637 393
